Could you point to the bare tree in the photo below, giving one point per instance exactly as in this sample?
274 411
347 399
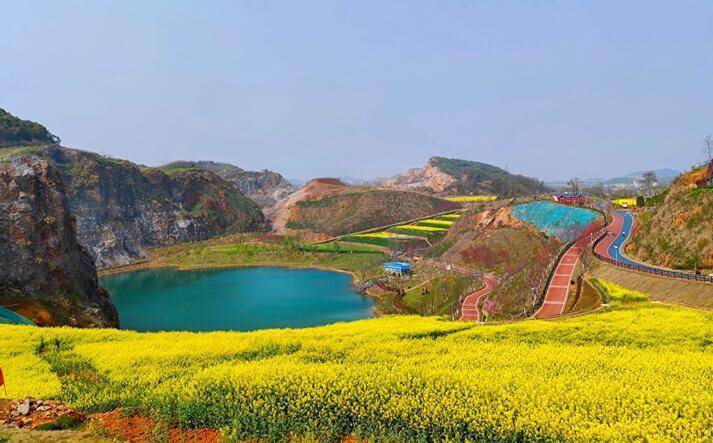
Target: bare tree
649 179
708 147
575 185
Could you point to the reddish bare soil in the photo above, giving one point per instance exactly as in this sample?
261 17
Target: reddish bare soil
134 428
31 310
316 188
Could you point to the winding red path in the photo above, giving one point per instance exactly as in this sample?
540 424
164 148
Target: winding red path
614 227
558 290
470 303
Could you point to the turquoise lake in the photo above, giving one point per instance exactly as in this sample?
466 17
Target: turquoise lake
241 299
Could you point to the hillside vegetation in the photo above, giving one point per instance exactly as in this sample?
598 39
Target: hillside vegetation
17 132
342 209
637 372
456 177
679 232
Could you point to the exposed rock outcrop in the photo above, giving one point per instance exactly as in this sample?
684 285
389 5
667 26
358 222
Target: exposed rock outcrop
452 176
429 177
264 187
122 209
45 274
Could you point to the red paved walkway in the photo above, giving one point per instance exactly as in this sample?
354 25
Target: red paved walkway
470 303
558 290
615 227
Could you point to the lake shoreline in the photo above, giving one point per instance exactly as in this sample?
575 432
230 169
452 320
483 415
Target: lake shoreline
347 289
159 264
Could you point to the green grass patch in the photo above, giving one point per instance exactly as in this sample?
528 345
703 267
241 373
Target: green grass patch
613 292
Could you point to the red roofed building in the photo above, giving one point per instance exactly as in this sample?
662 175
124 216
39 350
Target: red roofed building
571 198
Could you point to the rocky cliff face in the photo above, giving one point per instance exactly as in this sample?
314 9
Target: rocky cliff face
264 187
122 209
45 274
463 177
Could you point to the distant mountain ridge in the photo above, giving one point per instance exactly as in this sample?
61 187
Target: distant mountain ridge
665 177
448 176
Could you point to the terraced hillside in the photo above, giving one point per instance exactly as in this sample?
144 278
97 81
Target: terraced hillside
679 232
328 206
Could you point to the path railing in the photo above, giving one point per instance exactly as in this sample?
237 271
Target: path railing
647 269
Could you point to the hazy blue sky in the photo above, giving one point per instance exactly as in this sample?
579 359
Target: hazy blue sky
368 88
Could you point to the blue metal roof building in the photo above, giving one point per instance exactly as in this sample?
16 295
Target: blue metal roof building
397 267
11 318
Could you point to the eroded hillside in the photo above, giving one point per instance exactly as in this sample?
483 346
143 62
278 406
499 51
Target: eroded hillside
679 232
330 207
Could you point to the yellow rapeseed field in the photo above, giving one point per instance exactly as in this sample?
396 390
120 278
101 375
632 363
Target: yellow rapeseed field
444 223
381 234
472 198
619 293
620 202
421 228
636 372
